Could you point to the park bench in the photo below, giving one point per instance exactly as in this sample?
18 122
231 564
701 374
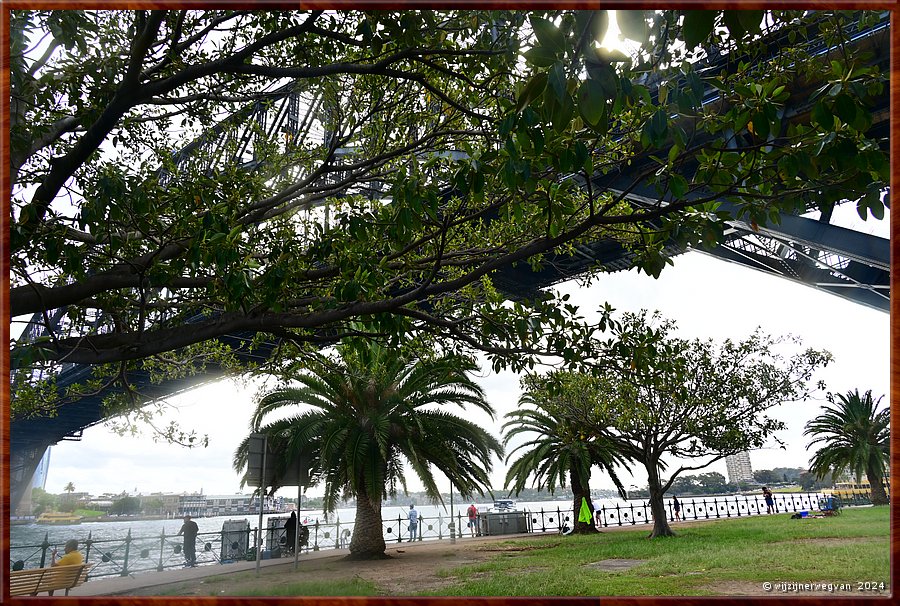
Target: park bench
36 580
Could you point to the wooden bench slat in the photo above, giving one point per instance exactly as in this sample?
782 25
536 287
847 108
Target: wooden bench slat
36 580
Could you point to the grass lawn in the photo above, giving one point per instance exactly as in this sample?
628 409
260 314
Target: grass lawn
704 559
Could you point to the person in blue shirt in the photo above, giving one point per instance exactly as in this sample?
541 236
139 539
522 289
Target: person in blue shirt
413 522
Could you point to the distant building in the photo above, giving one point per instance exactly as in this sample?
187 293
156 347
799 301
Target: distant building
193 505
739 470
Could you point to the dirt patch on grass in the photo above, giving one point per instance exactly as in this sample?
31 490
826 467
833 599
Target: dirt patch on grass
508 548
614 565
408 571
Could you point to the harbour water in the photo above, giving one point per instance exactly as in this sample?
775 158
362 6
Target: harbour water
33 534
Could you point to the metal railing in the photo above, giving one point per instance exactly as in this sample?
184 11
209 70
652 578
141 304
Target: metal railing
136 554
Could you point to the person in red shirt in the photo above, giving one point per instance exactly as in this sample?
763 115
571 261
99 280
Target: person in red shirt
472 512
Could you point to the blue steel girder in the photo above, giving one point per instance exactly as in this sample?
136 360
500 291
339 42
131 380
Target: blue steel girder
834 259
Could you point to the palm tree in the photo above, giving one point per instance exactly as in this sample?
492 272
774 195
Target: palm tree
856 436
558 448
369 412
70 488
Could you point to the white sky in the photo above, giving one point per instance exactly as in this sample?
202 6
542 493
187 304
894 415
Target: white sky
707 297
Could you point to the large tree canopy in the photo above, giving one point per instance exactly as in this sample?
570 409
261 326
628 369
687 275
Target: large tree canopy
692 400
440 147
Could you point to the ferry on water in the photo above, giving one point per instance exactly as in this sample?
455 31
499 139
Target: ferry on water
58 518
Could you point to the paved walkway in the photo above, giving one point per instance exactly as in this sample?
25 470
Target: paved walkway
132 582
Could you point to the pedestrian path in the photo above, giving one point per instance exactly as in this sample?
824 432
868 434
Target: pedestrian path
131 583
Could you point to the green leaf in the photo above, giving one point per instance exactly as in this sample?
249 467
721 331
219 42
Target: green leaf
678 185
751 20
562 114
663 94
548 35
760 125
557 81
598 21
540 56
698 25
822 116
533 90
606 75
845 108
633 25
732 21
742 119
591 101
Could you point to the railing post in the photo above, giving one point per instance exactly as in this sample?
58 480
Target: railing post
440 527
543 521
162 547
316 538
603 512
87 549
618 514
44 547
631 506
124 572
400 531
705 508
338 539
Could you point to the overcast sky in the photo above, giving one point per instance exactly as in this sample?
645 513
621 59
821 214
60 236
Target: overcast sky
707 297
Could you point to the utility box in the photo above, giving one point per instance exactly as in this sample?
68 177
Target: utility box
276 535
507 522
235 540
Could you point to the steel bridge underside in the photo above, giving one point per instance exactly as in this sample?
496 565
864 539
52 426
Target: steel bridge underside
812 252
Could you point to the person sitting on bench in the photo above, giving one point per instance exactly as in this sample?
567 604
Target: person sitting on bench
72 555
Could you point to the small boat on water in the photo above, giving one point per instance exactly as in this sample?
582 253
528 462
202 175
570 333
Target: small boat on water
501 505
58 518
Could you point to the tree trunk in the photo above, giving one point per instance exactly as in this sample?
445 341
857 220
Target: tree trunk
367 542
581 490
657 506
876 483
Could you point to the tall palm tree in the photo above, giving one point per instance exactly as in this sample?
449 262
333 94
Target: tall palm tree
558 449
365 414
70 488
856 436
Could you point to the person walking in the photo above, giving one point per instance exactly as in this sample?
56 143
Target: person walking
676 507
472 513
770 500
413 522
189 529
290 532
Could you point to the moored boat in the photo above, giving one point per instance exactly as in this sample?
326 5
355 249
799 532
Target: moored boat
58 518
